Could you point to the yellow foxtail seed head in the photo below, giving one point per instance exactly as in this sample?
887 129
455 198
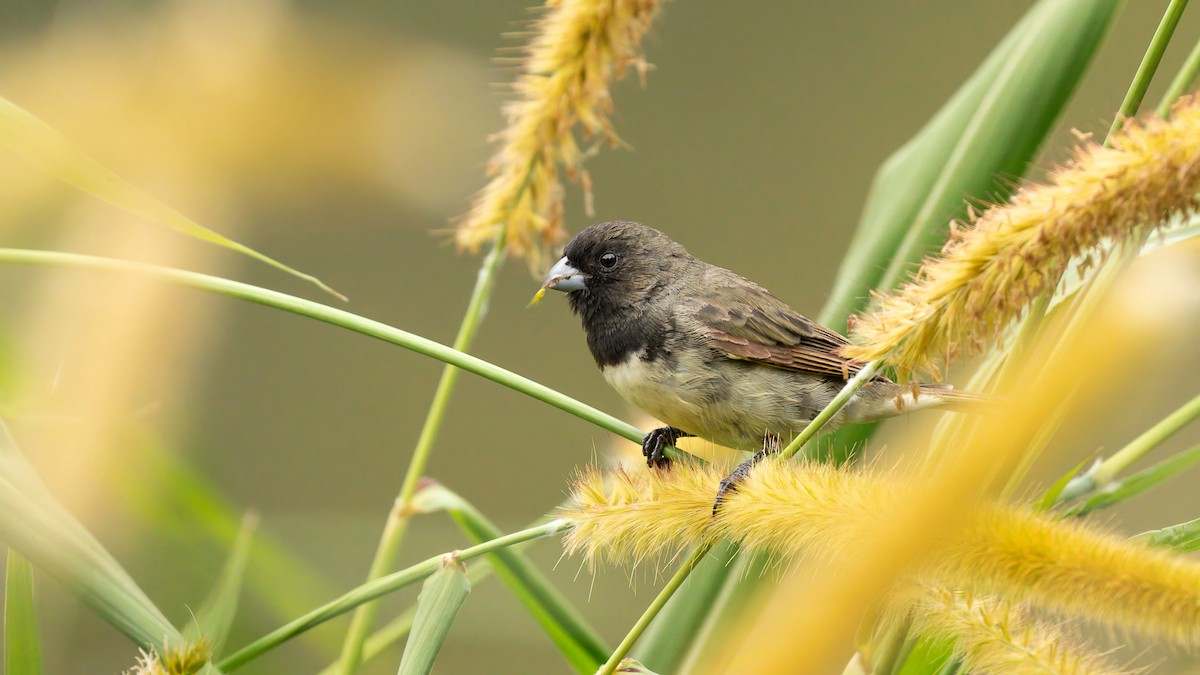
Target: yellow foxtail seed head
794 509
989 272
991 636
578 48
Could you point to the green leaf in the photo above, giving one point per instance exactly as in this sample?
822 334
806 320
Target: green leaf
43 146
442 595
215 617
34 523
1140 481
1184 537
566 627
928 656
22 647
976 147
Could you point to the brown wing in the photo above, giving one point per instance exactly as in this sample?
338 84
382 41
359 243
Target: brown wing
746 322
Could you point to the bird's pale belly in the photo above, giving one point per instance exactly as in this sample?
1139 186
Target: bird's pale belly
731 403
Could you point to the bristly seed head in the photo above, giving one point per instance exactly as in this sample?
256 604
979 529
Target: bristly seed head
579 47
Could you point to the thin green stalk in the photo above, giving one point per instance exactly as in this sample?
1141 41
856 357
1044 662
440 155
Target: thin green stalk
1149 64
375 589
342 319
860 379
1182 82
652 611
398 517
1103 474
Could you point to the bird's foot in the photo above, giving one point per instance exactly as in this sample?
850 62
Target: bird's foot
655 442
730 483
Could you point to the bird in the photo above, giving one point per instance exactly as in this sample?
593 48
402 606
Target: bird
709 352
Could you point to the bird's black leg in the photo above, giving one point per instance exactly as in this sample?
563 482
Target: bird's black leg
771 446
656 440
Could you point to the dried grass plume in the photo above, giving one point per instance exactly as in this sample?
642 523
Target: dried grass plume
578 48
1010 254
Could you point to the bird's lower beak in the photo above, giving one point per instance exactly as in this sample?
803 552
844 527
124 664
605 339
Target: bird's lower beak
563 277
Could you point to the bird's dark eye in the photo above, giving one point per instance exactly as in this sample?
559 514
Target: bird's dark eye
608 260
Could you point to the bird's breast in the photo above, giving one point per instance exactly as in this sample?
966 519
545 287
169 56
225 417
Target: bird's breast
661 387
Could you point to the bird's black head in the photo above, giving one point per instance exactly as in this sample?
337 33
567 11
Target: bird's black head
617 265
616 274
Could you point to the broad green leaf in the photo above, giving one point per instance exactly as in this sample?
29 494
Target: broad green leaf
976 147
22 647
43 146
1184 537
34 523
566 627
441 596
214 618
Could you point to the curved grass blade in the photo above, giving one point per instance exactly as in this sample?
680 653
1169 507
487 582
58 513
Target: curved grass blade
22 646
442 595
43 146
214 618
347 320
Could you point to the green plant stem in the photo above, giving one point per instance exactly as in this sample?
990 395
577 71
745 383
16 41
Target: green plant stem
377 588
1149 64
860 379
655 607
1182 82
399 515
1103 474
341 319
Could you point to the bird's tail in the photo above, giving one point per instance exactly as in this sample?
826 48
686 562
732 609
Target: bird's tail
887 399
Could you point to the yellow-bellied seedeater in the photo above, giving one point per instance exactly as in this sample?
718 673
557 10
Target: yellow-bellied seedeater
709 352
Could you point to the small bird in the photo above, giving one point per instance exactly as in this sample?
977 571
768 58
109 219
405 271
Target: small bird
708 352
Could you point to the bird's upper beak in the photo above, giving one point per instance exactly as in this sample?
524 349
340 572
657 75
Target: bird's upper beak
563 277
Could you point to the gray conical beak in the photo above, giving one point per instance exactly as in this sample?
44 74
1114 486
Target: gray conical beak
563 277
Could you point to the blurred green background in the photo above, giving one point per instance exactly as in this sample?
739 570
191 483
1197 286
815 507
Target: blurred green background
344 138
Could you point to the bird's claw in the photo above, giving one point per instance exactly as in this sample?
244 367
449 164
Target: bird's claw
730 483
655 444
